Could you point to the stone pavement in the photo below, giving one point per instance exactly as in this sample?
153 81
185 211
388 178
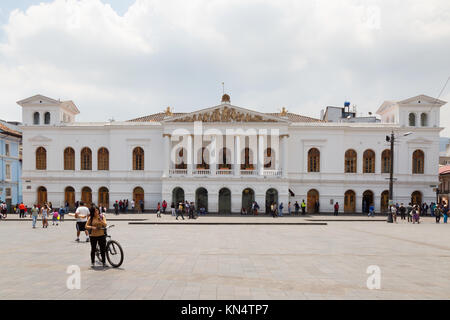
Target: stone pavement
232 262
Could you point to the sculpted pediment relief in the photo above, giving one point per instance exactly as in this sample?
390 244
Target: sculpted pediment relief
225 114
39 138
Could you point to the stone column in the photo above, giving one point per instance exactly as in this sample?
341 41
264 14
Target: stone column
213 156
167 160
190 154
237 155
260 155
284 156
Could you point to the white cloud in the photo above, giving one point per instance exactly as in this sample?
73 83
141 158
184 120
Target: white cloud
303 55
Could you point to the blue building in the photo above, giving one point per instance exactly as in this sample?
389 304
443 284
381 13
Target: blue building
10 164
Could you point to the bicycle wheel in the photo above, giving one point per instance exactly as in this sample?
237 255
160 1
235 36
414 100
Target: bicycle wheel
114 253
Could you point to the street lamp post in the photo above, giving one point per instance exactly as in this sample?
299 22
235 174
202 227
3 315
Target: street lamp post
391 139
391 176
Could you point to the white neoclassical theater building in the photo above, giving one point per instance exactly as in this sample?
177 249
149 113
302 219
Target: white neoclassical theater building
224 157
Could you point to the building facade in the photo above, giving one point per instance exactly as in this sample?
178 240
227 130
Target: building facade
225 156
10 164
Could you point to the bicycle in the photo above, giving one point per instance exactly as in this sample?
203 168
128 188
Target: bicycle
114 251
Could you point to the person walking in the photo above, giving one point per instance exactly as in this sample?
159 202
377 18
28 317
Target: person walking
336 208
132 205
394 213
409 212
158 210
402 210
44 214
81 215
22 210
55 217
371 210
273 209
96 225
180 211
303 205
34 215
280 209
437 214
289 208
445 212
164 206
116 207
62 212
141 205
297 208
172 209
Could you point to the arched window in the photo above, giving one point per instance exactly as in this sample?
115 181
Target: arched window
181 159
47 118
386 161
69 159
313 160
247 159
86 159
269 159
103 159
41 159
36 118
418 160
138 158
412 120
350 161
369 161
203 158
424 120
69 196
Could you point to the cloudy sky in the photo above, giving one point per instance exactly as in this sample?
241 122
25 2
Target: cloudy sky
127 58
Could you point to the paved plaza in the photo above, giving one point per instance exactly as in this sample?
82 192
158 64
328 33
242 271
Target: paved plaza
232 261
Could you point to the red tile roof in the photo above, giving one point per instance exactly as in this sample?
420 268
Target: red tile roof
444 169
9 131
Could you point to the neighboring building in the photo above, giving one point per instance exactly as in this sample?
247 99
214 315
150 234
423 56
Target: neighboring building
265 157
345 114
10 163
444 183
444 154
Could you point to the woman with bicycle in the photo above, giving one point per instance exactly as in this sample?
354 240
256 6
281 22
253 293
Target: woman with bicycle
96 225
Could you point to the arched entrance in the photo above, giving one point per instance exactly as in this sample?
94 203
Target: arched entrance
248 196
384 201
103 197
138 195
416 198
349 201
41 195
69 197
271 197
201 199
224 201
367 200
312 201
86 196
177 195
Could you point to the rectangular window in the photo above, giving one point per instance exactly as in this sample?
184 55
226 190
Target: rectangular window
8 192
6 149
8 171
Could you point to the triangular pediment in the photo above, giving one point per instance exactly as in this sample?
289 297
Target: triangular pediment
39 138
421 100
38 100
226 113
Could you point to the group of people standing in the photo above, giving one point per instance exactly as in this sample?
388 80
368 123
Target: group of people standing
188 208
412 213
45 212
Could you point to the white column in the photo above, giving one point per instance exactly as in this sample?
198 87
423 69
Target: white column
284 156
237 155
167 160
213 155
190 152
260 155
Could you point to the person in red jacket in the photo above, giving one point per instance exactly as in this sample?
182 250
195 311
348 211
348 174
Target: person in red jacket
336 209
